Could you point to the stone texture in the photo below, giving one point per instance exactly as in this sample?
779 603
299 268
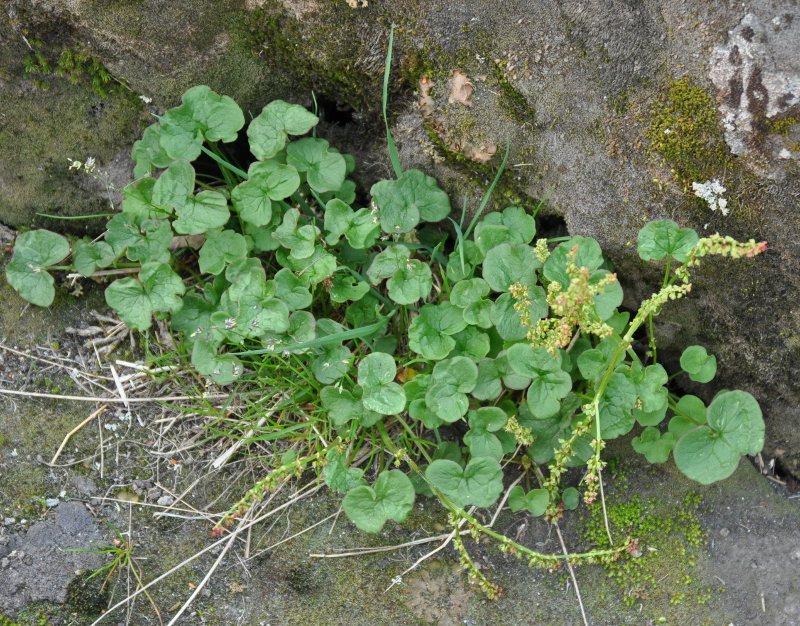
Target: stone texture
36 565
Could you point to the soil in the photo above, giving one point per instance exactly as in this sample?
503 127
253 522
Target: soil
728 553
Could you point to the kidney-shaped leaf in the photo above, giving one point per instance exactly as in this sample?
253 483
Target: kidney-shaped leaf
412 198
711 452
653 445
324 169
510 263
33 252
268 131
429 333
698 364
535 501
157 289
549 383
391 497
479 483
658 239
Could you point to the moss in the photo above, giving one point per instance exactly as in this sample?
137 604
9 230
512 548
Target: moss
783 125
38 614
685 131
86 594
85 124
333 62
670 544
506 193
76 63
512 101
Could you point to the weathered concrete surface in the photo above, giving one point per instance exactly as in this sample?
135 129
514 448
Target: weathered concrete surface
37 565
613 108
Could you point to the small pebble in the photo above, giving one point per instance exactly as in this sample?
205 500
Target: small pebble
724 532
51 502
165 500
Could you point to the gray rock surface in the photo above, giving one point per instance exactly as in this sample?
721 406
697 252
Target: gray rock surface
35 564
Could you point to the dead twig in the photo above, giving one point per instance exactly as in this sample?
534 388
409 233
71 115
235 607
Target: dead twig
75 430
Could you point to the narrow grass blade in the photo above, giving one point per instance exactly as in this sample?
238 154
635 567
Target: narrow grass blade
393 155
489 191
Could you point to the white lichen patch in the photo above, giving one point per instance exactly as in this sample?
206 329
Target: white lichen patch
757 72
711 191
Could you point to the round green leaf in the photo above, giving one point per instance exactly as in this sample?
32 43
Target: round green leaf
218 117
506 318
653 445
510 263
291 290
175 185
87 256
490 381
324 168
658 239
429 333
698 364
570 497
535 501
404 202
33 252
221 248
616 416
471 343
180 136
410 283
466 292
588 255
338 476
147 152
346 287
341 405
158 289
479 483
391 497
711 452
268 131
332 364
376 369
549 383
206 210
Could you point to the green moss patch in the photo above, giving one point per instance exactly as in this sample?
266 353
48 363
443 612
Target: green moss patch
663 575
685 132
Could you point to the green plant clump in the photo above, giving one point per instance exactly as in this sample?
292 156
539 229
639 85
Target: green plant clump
75 64
442 362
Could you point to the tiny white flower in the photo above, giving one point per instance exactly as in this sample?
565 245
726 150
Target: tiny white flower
145 99
89 165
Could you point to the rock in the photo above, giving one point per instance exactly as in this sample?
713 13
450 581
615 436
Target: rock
165 500
40 565
83 486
